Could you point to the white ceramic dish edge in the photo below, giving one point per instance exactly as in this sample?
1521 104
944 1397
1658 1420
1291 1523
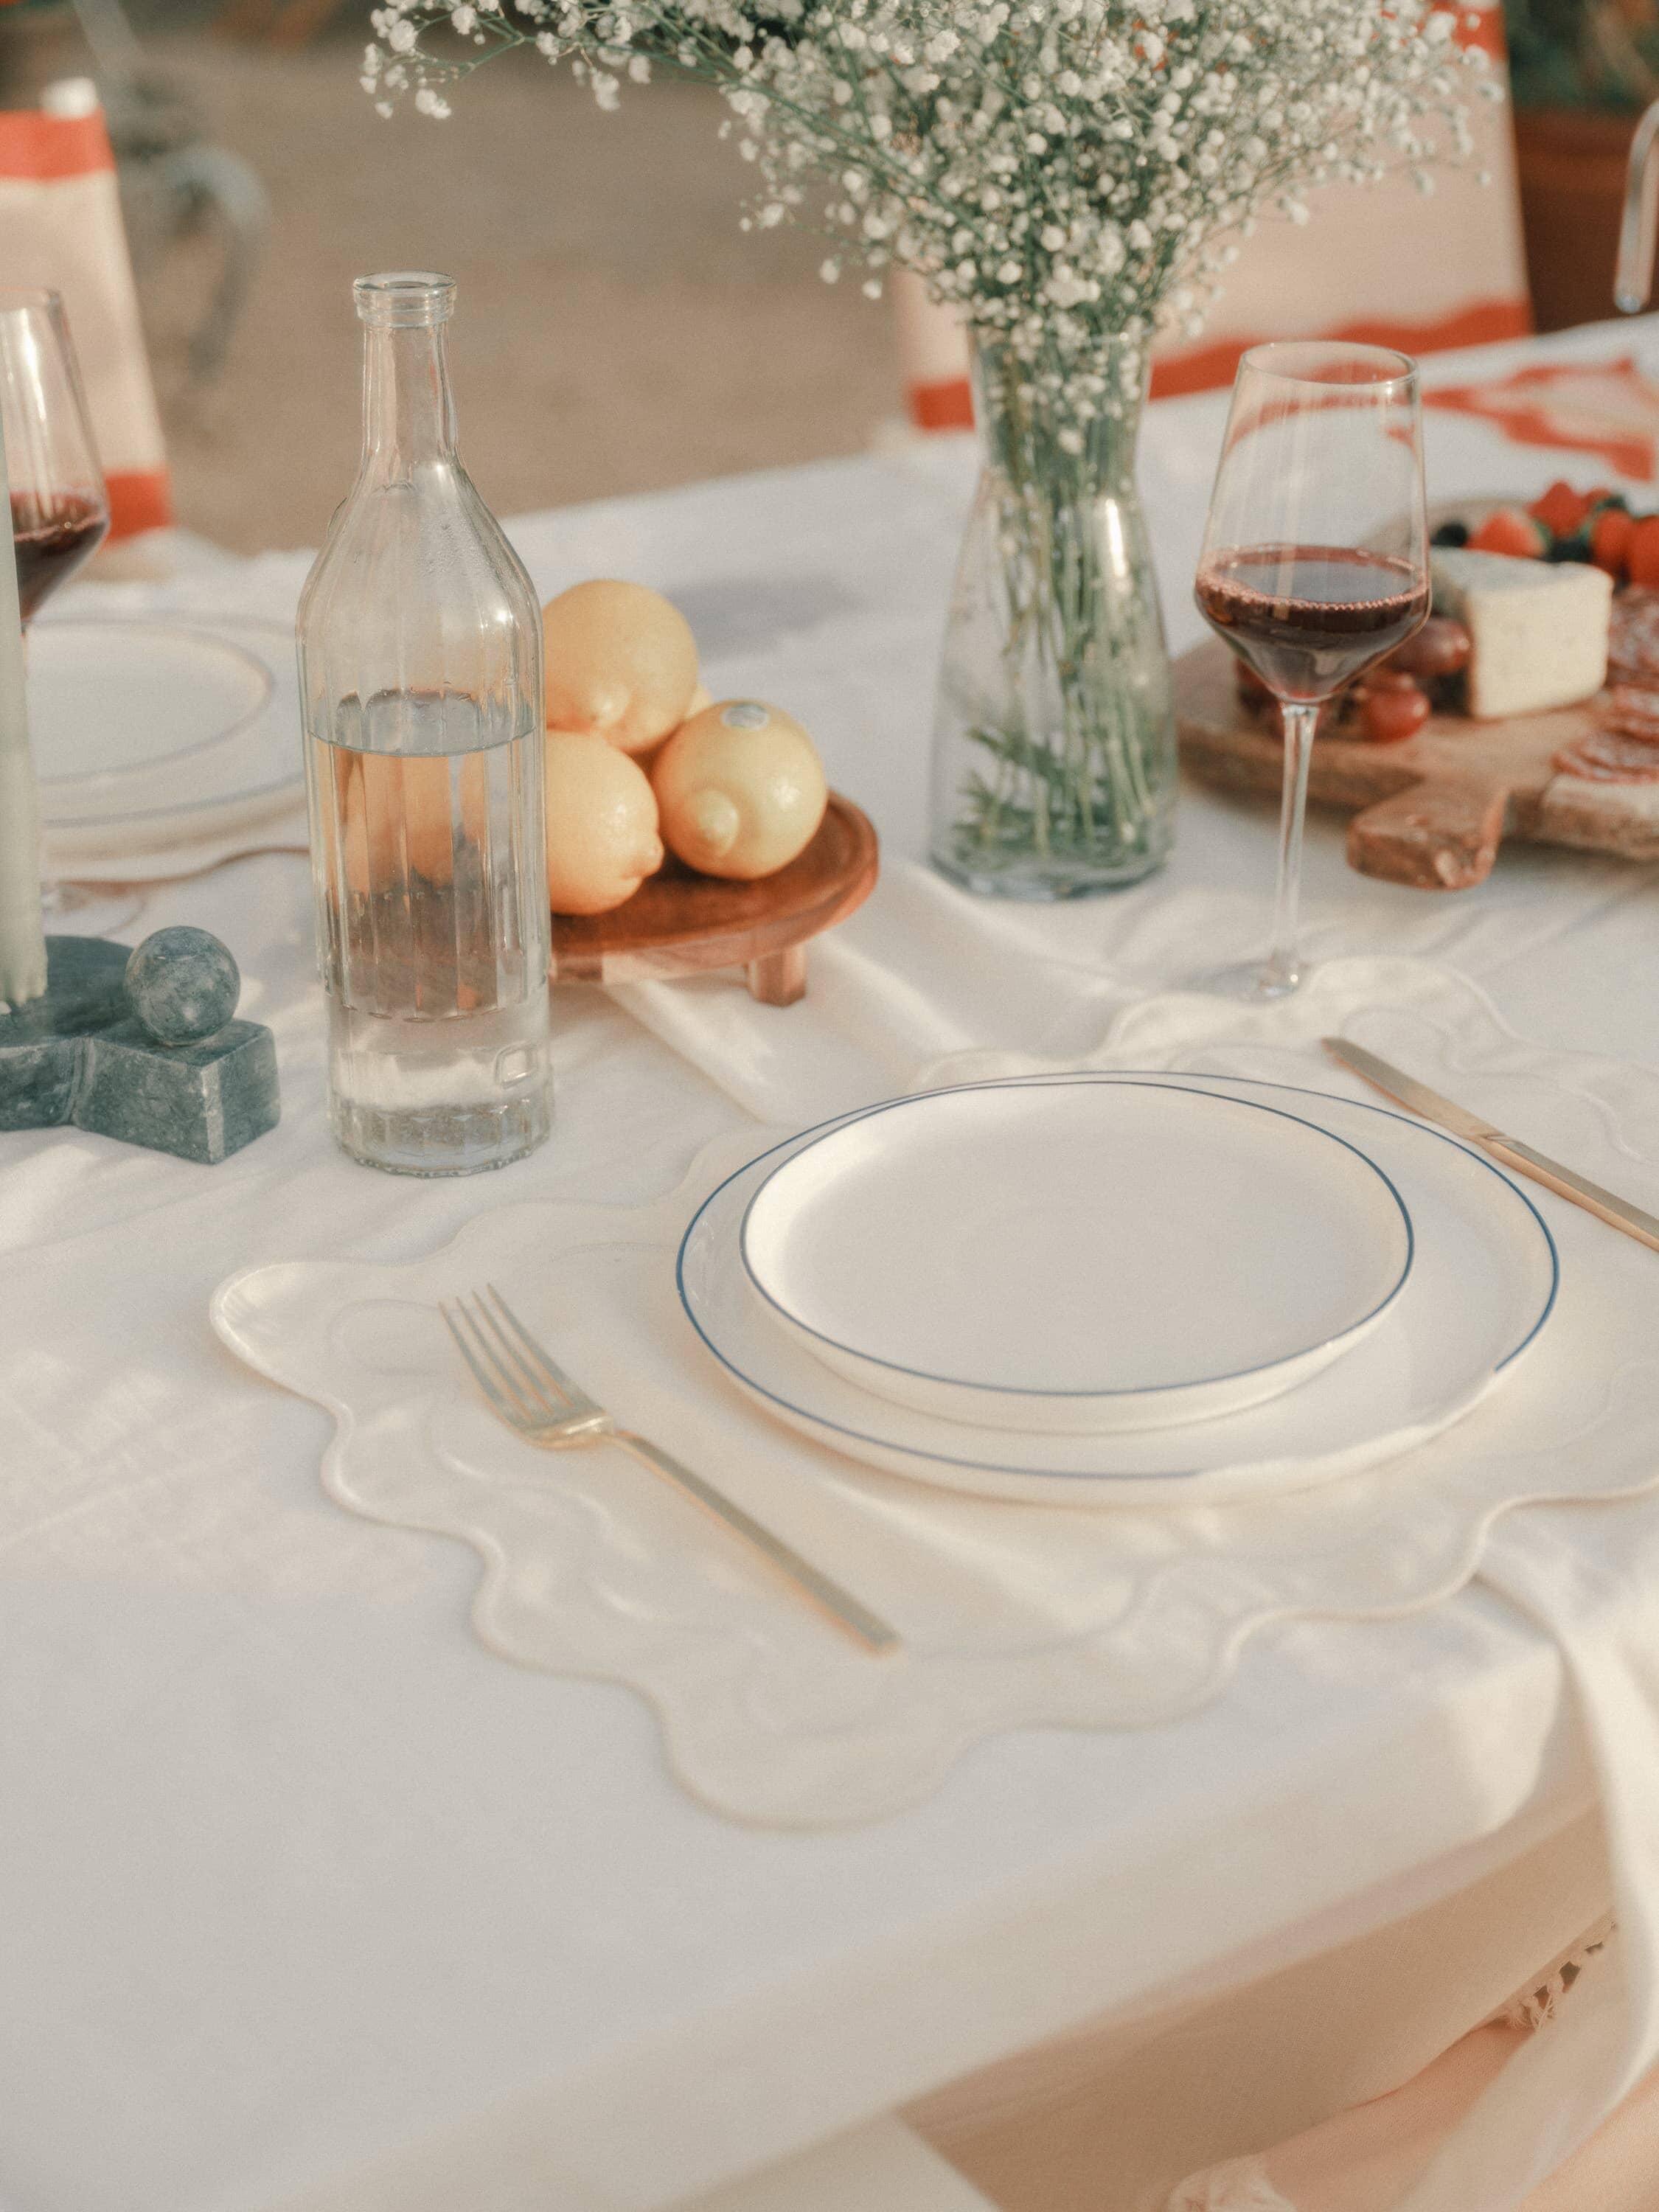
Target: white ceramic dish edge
1235 1483
1073 1412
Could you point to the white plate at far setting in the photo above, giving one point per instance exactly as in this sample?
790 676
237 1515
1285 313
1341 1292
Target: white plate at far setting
1482 1286
152 730
1078 1256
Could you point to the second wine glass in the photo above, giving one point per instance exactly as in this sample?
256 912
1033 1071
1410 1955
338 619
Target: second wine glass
59 508
1316 559
59 505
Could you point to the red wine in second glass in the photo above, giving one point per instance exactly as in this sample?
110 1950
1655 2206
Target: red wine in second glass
52 546
1308 619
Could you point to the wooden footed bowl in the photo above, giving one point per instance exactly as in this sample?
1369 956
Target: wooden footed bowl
1432 810
679 923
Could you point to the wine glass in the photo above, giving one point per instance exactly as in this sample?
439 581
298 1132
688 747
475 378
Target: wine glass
59 508
1316 559
59 505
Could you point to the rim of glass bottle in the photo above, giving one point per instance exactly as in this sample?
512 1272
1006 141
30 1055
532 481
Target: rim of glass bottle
404 299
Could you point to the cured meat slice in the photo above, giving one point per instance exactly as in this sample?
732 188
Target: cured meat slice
1632 712
1610 756
1633 639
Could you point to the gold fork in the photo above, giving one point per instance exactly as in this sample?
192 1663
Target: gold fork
528 1389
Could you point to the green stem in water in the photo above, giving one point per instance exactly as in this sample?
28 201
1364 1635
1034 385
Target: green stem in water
1077 747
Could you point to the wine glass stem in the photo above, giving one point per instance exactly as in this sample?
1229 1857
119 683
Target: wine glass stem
1282 970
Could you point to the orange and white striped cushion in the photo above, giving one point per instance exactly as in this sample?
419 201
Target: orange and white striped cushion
61 228
1387 266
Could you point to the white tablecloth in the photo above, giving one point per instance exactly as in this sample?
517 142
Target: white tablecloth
305 1900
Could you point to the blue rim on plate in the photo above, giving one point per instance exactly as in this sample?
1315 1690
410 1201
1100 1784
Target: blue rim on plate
1103 1075
1057 1083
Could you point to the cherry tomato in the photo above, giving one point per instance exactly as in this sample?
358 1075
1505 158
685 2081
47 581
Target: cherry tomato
1440 648
1389 675
1388 716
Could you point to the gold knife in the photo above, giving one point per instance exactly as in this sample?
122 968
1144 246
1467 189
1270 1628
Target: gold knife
1617 1213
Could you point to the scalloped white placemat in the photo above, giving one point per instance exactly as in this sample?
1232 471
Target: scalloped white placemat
1012 1616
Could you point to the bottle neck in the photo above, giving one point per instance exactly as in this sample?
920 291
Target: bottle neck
408 416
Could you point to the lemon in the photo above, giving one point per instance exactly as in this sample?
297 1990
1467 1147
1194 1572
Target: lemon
602 838
741 790
649 755
398 816
621 660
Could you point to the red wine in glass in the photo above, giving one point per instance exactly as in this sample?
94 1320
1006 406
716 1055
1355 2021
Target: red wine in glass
1308 619
51 544
1315 561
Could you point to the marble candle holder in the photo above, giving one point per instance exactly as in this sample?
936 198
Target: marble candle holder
142 1046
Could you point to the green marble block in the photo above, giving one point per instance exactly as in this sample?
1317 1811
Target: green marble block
83 1054
202 1102
43 1045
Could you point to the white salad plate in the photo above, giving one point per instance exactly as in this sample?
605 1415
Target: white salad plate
1078 1256
146 732
1482 1285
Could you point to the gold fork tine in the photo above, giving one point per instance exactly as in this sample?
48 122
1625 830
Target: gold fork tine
530 1403
511 1363
481 1374
549 1367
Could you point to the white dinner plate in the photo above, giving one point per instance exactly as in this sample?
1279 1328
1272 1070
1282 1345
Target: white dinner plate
148 731
1078 1256
1482 1285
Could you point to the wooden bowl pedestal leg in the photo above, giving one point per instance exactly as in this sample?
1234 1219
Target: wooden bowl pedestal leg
778 979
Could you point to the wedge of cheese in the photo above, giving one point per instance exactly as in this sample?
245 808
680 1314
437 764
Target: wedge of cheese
1538 629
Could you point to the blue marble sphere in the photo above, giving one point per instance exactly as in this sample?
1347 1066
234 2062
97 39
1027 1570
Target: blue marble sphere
183 985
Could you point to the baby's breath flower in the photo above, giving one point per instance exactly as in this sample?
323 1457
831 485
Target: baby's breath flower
1058 170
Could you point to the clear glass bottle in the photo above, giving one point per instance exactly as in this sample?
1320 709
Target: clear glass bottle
421 678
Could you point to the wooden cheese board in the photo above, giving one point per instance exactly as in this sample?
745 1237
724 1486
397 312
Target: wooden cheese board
678 923
1433 810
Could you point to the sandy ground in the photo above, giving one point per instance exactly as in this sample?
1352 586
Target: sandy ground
615 330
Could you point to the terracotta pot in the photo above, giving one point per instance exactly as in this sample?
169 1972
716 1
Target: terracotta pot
1571 166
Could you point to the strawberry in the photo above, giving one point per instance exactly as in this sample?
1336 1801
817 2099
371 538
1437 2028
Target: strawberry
1509 529
1642 563
1610 540
1562 510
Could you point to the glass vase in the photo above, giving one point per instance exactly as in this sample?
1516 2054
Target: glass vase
421 675
1054 734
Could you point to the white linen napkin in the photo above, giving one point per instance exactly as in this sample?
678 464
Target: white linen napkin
1589 1583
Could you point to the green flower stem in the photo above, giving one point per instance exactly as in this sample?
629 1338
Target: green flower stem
1072 767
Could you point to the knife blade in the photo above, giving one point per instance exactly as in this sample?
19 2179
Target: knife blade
1605 1204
